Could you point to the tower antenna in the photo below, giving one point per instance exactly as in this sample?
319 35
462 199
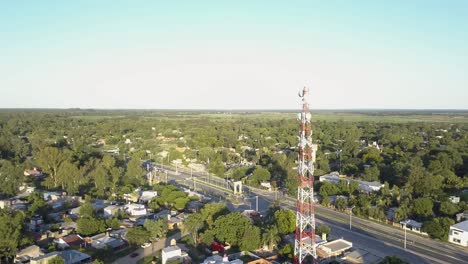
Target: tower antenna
304 245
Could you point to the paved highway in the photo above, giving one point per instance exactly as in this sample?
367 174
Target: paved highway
379 239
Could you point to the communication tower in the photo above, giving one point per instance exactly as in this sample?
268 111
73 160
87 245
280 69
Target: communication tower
304 246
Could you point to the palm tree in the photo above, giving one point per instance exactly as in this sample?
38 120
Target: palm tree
271 236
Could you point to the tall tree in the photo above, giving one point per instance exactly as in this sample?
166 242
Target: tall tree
70 177
11 177
11 224
192 224
138 235
50 159
210 212
134 173
250 239
231 228
156 229
422 207
285 220
100 178
116 176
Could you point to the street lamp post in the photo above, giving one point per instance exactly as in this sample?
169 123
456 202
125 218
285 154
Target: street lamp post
404 243
256 201
350 217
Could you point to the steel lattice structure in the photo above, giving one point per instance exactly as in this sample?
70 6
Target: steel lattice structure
305 216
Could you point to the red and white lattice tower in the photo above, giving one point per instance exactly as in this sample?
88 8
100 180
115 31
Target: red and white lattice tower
304 246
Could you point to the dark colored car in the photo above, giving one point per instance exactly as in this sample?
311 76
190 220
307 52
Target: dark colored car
133 255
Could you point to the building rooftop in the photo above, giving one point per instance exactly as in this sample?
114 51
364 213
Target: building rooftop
53 253
73 240
74 256
33 251
411 222
338 245
170 249
462 226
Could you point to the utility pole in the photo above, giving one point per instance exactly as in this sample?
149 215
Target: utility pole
404 243
256 203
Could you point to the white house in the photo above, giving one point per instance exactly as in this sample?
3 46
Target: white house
458 234
171 253
333 177
147 196
366 186
135 209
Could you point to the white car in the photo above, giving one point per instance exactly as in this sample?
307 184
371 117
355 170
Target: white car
145 245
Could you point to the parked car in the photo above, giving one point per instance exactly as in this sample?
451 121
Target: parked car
145 245
217 247
133 255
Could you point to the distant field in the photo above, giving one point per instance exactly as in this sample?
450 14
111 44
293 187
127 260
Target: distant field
393 116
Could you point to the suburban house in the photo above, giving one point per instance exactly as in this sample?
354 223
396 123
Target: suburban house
24 255
366 186
171 253
175 222
14 204
147 196
412 225
458 234
135 209
70 257
104 241
70 240
111 210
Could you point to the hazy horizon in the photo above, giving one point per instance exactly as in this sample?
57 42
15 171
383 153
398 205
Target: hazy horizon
234 55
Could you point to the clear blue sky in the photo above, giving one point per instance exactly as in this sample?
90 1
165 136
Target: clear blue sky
234 54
